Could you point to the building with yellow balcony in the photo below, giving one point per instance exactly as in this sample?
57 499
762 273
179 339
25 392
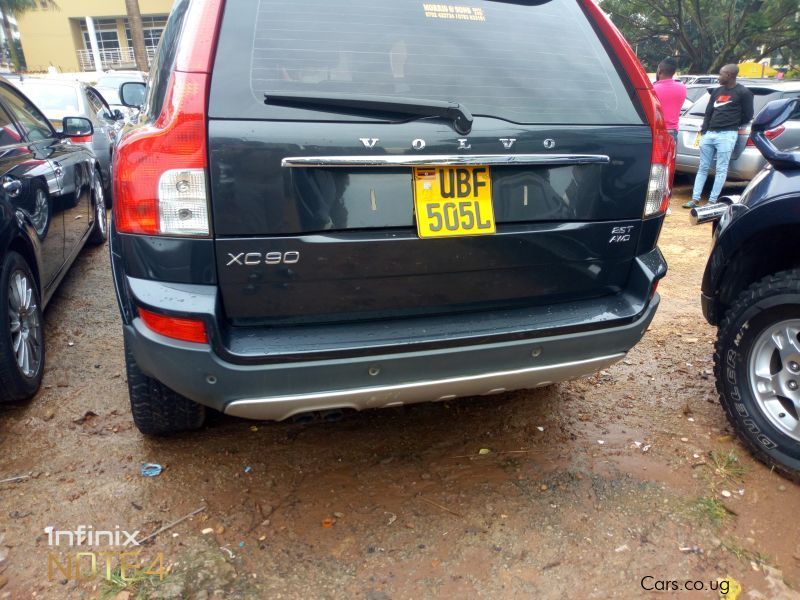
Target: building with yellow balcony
62 37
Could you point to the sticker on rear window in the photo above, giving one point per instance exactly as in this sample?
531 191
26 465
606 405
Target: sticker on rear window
449 11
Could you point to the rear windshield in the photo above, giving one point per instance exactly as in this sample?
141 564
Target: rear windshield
525 64
55 101
695 93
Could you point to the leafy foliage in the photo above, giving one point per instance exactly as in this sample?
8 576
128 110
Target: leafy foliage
707 34
16 8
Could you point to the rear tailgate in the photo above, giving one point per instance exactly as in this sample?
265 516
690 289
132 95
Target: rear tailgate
314 210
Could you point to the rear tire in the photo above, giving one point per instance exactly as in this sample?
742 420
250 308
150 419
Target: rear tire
757 369
22 348
156 409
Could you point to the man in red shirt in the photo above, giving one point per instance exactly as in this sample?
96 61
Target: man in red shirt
670 93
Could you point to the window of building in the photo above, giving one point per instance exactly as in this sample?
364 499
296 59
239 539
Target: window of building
105 32
153 28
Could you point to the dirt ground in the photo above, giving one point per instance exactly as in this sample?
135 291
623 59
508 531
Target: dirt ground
598 488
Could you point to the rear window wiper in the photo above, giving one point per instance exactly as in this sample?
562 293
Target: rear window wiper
455 112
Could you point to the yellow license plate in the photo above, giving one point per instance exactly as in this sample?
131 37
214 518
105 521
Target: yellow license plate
697 138
453 201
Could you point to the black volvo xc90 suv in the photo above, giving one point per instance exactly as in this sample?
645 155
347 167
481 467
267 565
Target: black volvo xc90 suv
360 204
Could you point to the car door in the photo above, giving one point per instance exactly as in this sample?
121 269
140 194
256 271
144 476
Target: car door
71 166
105 131
30 189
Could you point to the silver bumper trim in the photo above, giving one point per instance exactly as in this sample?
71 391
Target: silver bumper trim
445 160
282 407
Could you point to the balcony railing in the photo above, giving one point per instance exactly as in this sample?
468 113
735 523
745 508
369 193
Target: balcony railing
111 59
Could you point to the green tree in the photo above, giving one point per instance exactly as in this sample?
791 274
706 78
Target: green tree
707 34
16 8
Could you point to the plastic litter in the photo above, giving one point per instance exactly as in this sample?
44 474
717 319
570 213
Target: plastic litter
734 588
248 469
483 451
151 470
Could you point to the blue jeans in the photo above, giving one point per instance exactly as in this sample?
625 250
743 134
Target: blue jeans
722 144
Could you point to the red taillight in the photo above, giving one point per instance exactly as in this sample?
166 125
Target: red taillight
177 328
662 157
770 134
177 140
157 167
81 139
662 167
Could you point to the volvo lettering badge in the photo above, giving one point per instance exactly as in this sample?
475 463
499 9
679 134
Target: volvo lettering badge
251 259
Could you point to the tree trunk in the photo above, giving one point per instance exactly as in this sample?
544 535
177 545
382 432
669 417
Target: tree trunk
137 33
12 47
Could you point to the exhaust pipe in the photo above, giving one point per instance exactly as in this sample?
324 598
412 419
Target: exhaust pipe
708 213
712 212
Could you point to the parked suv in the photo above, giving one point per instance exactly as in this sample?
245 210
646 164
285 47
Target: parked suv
327 207
751 292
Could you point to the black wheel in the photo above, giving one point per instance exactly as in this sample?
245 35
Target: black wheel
157 410
99 233
22 335
757 368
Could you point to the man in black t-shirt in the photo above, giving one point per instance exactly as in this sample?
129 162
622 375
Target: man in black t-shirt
729 108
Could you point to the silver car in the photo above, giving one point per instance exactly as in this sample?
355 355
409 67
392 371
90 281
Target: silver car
57 99
746 161
108 85
694 91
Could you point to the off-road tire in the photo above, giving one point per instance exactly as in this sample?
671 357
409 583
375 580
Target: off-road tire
15 386
769 301
157 410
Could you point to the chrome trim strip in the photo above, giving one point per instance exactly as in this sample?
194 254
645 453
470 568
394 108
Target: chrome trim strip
283 407
494 160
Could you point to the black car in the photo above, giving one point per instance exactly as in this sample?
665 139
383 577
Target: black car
51 204
751 292
327 206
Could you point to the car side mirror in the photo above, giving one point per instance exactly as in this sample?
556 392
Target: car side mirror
132 94
76 127
775 113
117 114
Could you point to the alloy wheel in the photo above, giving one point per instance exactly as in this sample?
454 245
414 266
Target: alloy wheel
774 369
25 324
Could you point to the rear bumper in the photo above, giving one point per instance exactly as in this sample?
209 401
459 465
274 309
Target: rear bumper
276 372
278 391
743 168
